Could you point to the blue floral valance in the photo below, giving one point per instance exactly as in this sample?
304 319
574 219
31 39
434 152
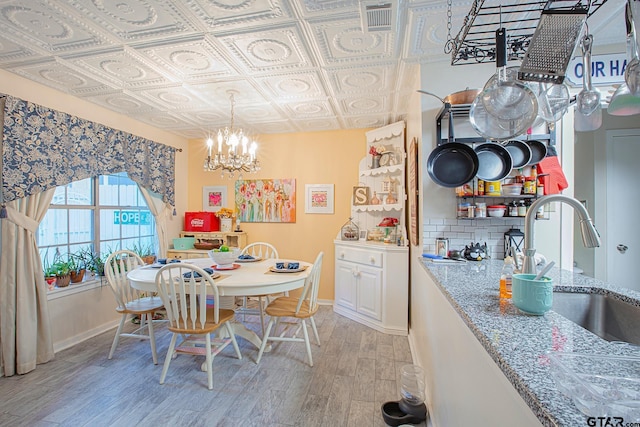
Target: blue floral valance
45 148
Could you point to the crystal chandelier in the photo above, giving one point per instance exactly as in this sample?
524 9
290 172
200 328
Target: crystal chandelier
235 151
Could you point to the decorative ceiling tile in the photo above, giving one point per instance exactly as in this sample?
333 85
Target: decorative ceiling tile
316 125
217 14
293 65
324 6
190 61
344 41
162 120
12 51
134 19
310 109
284 126
58 75
270 50
172 98
362 79
123 103
255 114
368 121
359 105
218 94
44 24
430 32
120 68
292 86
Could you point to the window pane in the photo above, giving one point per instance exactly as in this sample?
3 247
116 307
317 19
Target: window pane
108 190
109 224
80 193
53 229
80 225
75 193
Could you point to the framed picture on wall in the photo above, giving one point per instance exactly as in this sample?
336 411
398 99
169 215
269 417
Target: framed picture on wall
318 198
214 198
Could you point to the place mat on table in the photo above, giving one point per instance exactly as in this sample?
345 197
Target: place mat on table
284 271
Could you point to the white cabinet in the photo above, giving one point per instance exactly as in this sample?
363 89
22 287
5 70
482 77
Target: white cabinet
372 276
371 285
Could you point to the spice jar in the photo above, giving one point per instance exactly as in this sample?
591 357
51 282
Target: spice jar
522 208
481 210
529 185
513 209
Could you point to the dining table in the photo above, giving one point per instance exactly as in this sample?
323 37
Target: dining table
245 278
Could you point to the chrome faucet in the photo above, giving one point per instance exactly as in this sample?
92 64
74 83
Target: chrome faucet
590 236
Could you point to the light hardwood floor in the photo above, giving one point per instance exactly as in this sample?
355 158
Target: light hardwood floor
355 370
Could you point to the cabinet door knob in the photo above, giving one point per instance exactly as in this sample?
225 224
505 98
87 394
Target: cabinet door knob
355 272
372 260
341 254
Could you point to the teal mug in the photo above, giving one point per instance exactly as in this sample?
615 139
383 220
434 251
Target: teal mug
532 296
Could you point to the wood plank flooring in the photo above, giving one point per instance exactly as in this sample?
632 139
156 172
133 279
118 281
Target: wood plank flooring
355 370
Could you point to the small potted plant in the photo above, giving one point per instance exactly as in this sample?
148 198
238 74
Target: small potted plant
62 269
49 271
79 261
146 252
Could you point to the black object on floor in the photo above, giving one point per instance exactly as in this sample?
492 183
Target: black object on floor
394 413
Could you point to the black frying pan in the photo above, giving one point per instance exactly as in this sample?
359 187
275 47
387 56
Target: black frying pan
538 151
520 152
494 161
452 164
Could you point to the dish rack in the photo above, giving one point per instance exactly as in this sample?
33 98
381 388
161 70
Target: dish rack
599 385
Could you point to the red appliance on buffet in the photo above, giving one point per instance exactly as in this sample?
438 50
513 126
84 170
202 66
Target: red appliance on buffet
201 221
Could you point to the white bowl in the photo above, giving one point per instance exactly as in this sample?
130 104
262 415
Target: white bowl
224 258
495 212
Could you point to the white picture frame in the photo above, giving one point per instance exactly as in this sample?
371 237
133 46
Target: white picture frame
363 234
318 198
214 198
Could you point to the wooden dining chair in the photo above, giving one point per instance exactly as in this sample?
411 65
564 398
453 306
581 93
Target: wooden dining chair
299 308
131 301
184 289
259 250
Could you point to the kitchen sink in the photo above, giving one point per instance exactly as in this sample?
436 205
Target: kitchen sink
604 315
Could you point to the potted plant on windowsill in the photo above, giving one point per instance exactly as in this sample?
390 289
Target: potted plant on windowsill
147 253
49 272
62 269
95 262
79 261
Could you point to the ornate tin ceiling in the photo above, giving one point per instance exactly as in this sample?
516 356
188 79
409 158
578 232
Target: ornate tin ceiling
295 65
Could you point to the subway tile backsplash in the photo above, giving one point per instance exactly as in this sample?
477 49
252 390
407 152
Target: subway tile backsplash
461 232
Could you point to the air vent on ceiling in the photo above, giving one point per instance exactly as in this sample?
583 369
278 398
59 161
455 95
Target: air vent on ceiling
377 16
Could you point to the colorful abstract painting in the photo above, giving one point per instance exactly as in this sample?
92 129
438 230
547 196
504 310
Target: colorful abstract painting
266 200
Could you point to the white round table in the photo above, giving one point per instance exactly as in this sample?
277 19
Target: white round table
250 279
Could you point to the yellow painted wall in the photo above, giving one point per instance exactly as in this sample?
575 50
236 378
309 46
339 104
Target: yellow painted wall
329 157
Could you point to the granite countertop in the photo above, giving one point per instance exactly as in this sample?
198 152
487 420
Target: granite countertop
519 343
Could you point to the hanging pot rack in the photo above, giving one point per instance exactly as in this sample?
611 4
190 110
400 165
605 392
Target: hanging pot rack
475 42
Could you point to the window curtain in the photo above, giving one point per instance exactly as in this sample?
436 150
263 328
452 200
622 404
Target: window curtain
45 148
25 334
41 150
162 213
